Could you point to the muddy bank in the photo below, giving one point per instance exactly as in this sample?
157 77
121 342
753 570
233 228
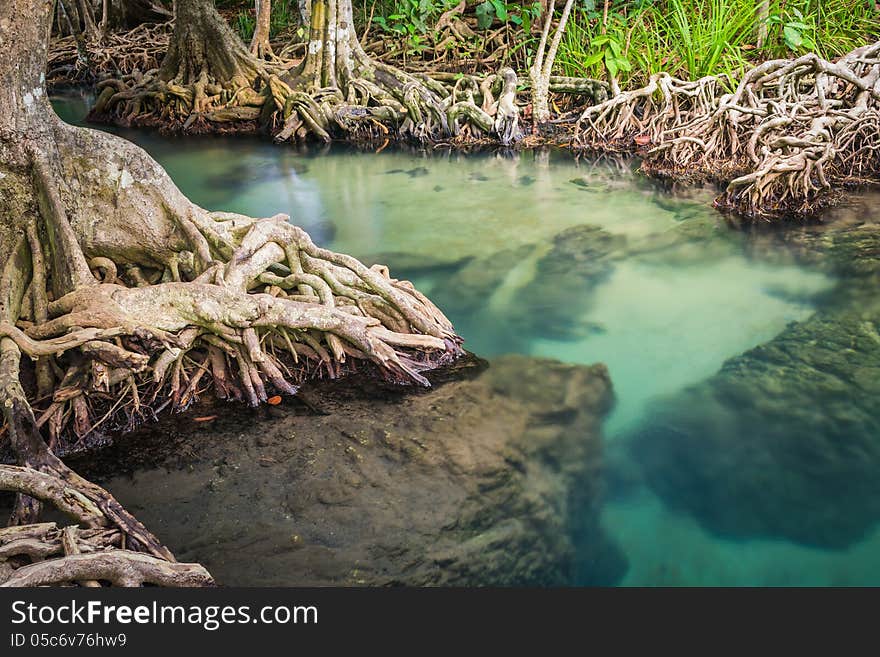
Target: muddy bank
494 476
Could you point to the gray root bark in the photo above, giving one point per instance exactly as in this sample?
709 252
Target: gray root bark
545 57
790 132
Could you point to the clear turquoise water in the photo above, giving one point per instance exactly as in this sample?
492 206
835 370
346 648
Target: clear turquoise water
672 293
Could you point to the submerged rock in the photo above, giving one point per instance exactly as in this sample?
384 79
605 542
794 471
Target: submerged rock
492 477
559 294
784 441
471 287
405 265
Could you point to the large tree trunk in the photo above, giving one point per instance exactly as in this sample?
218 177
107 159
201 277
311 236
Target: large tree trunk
542 67
43 261
260 46
131 299
207 75
90 28
338 86
203 44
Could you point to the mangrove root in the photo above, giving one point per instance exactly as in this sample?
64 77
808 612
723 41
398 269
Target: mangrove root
210 81
782 139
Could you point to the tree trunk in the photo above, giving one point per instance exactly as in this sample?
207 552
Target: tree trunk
369 92
763 13
203 44
209 77
90 29
542 67
32 223
260 46
305 11
139 299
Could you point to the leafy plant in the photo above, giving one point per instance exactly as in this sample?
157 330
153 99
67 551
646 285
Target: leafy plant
637 38
285 15
797 30
586 51
410 19
245 24
515 13
608 48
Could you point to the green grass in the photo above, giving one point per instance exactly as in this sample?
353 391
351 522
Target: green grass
836 26
691 39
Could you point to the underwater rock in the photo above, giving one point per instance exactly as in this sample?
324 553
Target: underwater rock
470 288
847 246
784 441
579 259
405 265
699 237
492 477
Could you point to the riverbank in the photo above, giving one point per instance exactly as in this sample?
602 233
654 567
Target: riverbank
781 143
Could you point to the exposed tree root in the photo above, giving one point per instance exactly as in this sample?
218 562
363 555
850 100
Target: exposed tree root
126 299
183 300
107 54
247 306
782 139
45 555
211 81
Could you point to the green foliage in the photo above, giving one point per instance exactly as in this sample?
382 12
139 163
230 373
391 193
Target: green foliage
711 39
692 39
410 19
284 17
828 27
797 31
687 38
245 24
414 20
515 13
586 52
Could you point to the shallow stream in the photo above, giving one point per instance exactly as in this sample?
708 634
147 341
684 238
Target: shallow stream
725 464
